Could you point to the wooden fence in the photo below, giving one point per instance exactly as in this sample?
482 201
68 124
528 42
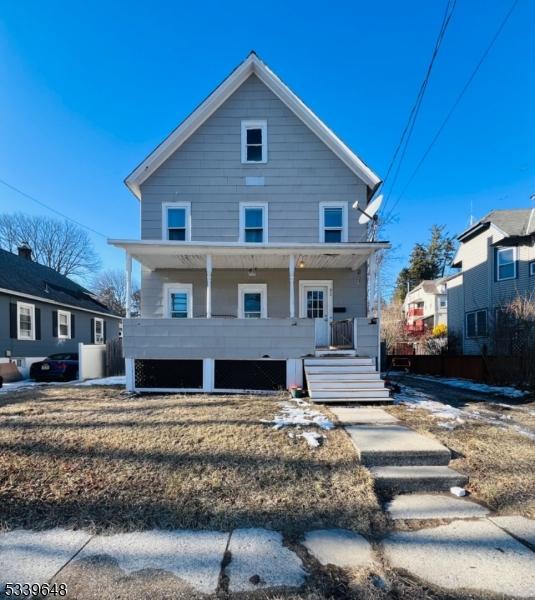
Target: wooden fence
489 369
114 357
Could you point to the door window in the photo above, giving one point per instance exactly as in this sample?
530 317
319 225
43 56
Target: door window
315 304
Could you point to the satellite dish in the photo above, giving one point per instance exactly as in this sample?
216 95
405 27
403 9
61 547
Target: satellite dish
370 214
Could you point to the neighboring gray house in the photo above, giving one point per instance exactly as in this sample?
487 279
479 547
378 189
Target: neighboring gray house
251 254
43 312
497 261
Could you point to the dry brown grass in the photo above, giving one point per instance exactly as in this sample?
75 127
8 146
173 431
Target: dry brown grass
97 458
499 462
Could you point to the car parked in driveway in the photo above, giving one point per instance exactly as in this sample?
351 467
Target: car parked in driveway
56 367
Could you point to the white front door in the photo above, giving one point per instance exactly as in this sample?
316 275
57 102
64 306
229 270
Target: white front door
316 304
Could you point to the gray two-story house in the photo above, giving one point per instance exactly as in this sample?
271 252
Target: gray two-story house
43 312
496 257
253 262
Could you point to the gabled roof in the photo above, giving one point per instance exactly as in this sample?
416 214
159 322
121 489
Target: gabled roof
28 278
251 65
518 222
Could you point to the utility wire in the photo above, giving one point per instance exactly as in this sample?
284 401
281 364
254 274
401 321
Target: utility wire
457 101
411 121
15 189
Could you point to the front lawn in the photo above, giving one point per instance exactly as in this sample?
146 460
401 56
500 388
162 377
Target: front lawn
499 460
98 458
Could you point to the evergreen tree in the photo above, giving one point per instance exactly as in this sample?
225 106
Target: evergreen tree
428 261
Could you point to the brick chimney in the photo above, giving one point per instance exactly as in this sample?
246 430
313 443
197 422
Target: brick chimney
25 251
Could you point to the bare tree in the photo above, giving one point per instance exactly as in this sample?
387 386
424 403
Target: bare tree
110 288
61 245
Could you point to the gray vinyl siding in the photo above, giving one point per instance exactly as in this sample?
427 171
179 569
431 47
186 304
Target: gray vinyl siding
349 290
207 171
48 344
456 310
480 288
218 338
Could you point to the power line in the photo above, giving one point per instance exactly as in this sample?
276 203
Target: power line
15 189
457 101
411 121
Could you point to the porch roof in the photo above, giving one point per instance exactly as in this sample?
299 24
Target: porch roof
161 254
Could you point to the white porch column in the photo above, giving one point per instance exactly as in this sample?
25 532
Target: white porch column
128 285
291 271
209 286
378 286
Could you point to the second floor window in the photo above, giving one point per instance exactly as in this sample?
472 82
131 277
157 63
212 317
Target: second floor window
253 223
254 141
333 222
505 263
177 221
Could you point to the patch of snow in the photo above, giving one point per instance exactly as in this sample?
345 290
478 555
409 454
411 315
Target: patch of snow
301 416
312 438
116 380
26 384
413 399
483 388
457 491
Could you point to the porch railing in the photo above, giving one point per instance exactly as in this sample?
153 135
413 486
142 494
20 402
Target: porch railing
342 333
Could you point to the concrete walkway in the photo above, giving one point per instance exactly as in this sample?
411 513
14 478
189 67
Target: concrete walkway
399 459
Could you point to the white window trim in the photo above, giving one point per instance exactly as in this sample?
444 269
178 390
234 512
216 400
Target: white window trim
95 330
265 220
32 317
67 314
477 334
258 124
323 206
498 252
169 288
304 283
252 288
165 228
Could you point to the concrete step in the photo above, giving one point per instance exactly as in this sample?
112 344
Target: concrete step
348 394
338 362
354 401
353 377
393 479
348 385
387 444
328 353
340 369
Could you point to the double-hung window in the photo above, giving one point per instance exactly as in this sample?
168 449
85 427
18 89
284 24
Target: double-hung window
25 321
253 142
252 301
505 263
333 222
99 331
178 301
253 222
532 267
176 222
476 324
64 324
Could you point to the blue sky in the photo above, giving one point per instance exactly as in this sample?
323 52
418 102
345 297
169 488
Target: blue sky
88 89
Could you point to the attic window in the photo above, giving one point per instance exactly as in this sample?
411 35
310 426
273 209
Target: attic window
253 142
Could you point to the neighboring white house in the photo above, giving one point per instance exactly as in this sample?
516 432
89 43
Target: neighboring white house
426 306
252 258
497 261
